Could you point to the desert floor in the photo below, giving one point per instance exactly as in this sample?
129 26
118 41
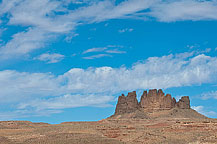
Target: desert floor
111 131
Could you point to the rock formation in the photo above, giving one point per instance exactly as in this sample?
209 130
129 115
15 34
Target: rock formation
127 104
152 100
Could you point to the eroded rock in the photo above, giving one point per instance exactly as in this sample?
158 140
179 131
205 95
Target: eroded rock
152 100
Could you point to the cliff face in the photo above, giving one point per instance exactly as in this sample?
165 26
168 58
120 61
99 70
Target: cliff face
152 100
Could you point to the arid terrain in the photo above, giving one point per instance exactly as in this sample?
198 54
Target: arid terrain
132 123
141 131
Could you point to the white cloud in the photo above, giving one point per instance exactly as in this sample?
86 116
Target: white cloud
50 58
97 56
97 86
22 113
115 51
52 18
155 72
69 38
18 86
207 50
162 10
105 10
68 101
100 49
40 14
25 42
203 111
46 107
6 5
104 51
169 11
208 95
125 30
75 1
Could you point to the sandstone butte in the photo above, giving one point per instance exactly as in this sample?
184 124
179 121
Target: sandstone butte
156 119
153 104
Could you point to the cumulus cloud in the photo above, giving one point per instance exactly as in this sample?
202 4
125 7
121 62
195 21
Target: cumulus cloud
22 85
53 18
203 111
155 72
50 58
98 86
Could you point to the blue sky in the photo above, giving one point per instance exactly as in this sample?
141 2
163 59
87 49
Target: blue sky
69 60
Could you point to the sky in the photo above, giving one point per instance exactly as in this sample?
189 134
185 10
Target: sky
69 60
